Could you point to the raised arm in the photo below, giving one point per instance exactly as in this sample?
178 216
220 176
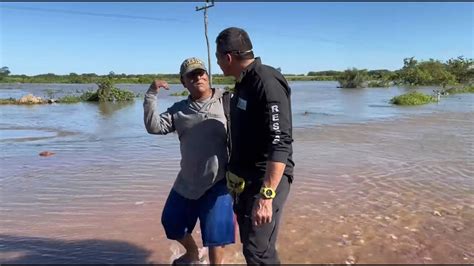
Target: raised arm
156 123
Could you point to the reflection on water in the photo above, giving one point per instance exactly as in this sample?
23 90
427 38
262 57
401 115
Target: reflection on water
108 108
374 183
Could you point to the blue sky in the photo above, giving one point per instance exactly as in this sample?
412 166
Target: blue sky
136 38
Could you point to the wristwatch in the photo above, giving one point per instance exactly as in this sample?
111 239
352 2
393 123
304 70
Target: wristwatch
267 193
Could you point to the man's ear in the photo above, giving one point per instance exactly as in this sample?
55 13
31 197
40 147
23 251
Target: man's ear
228 58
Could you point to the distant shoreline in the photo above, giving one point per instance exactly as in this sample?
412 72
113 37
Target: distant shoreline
171 80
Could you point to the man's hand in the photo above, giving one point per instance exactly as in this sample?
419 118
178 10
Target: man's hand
262 211
157 84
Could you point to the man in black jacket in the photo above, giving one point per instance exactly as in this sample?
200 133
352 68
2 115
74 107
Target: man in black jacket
261 165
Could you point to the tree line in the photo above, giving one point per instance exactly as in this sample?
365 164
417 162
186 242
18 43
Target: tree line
455 71
431 72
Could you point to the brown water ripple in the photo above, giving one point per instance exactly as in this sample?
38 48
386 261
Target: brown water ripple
385 192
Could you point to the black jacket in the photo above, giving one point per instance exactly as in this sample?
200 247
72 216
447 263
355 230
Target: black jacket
261 126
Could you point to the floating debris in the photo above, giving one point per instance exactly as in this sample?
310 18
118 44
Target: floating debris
459 228
350 260
30 99
139 203
392 236
437 213
46 153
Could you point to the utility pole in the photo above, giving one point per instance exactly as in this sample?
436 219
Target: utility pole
207 39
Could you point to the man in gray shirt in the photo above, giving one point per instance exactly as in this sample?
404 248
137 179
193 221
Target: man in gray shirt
200 189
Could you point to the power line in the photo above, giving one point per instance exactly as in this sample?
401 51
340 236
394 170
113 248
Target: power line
85 13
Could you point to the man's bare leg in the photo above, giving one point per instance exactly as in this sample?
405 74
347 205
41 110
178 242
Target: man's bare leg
192 252
216 255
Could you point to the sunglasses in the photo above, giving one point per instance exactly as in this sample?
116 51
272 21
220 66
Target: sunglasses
195 73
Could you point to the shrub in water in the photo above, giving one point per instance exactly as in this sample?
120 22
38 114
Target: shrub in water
352 78
412 98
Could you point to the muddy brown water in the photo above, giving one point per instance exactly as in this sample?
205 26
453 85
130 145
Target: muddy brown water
396 190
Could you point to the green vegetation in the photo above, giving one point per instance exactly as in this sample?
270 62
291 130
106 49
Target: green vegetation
4 72
417 98
105 93
183 93
308 78
378 84
462 69
70 99
229 88
328 73
432 72
8 101
467 89
220 79
108 93
381 78
412 98
352 78
414 73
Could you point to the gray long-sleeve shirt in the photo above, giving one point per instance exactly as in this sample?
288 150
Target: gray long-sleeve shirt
201 128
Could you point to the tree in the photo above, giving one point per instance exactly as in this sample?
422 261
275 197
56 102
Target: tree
379 73
352 78
431 72
437 73
409 62
324 73
461 68
4 72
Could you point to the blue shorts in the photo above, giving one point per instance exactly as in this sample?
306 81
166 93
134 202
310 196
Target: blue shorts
214 210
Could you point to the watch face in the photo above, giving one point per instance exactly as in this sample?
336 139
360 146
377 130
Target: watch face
268 193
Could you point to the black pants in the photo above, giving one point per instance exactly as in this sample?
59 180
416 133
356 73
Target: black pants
259 242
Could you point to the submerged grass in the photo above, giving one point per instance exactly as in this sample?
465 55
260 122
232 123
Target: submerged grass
8 101
70 99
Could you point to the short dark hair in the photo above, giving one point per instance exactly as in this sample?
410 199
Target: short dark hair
235 41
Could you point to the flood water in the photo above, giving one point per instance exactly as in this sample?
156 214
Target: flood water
374 183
